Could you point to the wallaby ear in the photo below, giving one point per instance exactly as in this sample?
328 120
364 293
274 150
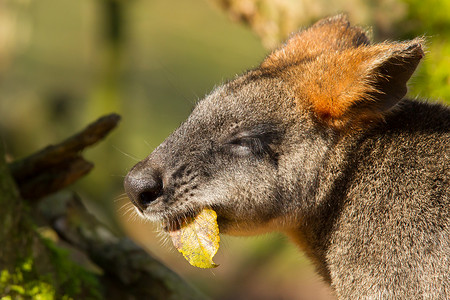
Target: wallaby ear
392 72
336 33
363 84
328 34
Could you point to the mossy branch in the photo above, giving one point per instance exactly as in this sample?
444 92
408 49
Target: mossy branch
31 266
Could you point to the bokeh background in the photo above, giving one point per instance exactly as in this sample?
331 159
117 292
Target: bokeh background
65 63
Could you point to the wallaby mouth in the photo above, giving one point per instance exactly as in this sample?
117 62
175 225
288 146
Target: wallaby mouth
175 222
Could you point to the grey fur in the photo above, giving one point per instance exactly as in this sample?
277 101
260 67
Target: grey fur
370 207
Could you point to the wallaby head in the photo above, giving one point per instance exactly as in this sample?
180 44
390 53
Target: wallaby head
267 150
251 149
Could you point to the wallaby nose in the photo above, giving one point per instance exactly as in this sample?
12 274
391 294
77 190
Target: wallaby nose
143 186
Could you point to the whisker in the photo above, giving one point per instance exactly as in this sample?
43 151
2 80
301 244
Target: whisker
121 198
171 78
125 205
126 154
128 208
118 175
148 144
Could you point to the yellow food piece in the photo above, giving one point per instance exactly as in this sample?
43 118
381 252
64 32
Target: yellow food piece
198 240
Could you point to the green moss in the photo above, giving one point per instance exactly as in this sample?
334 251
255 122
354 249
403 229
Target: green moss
63 279
72 279
16 285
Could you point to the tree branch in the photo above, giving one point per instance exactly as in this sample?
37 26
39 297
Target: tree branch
57 166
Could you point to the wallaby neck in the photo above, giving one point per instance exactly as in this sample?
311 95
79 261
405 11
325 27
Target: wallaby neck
359 170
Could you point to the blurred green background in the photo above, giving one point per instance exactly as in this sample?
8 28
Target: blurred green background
65 63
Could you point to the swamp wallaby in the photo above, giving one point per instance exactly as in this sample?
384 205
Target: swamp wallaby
319 143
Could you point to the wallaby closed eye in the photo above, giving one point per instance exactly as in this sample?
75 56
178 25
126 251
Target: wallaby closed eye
245 146
259 141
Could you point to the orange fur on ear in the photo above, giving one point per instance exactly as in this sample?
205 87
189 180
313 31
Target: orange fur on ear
345 80
326 35
358 85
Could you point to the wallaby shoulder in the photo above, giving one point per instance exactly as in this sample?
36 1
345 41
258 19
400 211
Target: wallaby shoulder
393 221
